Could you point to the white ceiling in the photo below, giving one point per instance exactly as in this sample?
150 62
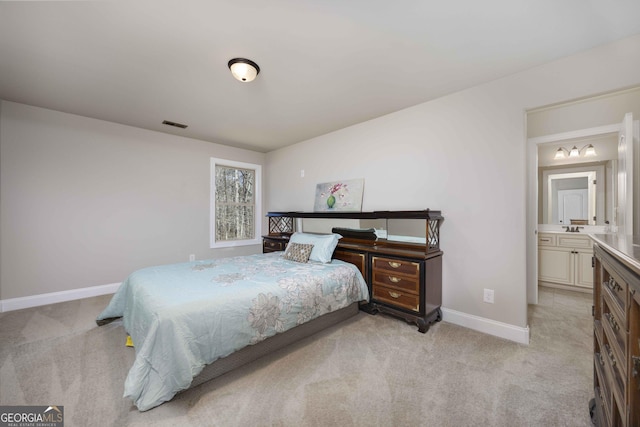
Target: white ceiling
325 64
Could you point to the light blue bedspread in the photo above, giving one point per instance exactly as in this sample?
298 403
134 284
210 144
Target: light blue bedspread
182 317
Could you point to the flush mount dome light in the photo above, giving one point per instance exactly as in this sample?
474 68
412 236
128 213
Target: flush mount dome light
243 69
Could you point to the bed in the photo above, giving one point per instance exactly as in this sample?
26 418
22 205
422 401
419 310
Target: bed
183 317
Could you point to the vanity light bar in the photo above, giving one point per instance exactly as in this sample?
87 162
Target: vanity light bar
561 153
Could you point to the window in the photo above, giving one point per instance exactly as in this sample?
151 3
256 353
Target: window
235 203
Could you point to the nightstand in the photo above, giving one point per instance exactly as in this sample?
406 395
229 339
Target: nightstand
274 243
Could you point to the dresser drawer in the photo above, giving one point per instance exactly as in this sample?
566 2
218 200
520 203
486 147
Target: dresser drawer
608 377
616 288
601 383
396 297
398 281
614 328
396 266
634 355
617 379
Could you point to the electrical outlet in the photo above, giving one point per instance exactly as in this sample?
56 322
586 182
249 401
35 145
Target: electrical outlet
488 296
301 173
192 257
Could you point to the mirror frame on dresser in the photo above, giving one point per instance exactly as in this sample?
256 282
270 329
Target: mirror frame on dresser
404 278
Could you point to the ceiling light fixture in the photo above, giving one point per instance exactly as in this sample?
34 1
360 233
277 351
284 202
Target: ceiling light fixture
243 69
589 151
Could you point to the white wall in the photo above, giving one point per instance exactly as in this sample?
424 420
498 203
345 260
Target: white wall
466 155
85 202
586 113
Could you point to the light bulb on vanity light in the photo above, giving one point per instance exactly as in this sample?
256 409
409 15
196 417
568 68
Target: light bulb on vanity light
574 152
589 151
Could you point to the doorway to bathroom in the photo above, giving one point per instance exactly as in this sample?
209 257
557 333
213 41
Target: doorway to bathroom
604 126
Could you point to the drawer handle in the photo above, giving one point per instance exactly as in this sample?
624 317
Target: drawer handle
394 279
395 264
612 321
545 240
394 294
613 285
610 353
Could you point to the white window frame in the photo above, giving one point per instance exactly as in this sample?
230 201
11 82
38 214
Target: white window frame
257 226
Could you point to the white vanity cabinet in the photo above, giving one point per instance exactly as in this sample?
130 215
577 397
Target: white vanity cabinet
565 261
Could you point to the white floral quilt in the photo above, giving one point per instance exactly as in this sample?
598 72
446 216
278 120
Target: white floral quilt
182 317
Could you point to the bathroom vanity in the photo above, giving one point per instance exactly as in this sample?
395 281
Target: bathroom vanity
565 261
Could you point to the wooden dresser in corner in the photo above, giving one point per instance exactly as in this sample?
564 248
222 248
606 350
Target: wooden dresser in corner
616 329
404 278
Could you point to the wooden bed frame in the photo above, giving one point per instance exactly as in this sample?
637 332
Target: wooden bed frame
272 344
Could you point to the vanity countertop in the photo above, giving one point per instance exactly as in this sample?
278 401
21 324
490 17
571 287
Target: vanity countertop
570 233
626 248
584 229
576 233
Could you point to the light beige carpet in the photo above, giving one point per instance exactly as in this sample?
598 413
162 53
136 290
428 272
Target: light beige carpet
367 371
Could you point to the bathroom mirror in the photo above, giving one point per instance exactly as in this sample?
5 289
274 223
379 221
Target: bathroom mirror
583 188
578 195
571 198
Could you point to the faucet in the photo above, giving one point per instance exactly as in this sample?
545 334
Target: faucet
575 229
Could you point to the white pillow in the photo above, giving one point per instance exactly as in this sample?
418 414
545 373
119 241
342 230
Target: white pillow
323 244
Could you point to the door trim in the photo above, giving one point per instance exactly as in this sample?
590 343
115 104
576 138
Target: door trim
532 198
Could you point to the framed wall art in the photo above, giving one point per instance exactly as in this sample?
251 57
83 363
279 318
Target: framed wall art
345 195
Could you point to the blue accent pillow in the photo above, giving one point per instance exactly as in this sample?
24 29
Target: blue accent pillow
323 244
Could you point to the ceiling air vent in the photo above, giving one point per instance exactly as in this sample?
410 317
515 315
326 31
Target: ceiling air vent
174 124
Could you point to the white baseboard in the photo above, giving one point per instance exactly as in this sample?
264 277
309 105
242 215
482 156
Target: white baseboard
55 297
487 326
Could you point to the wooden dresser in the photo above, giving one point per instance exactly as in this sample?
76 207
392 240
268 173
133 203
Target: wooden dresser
404 278
616 329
